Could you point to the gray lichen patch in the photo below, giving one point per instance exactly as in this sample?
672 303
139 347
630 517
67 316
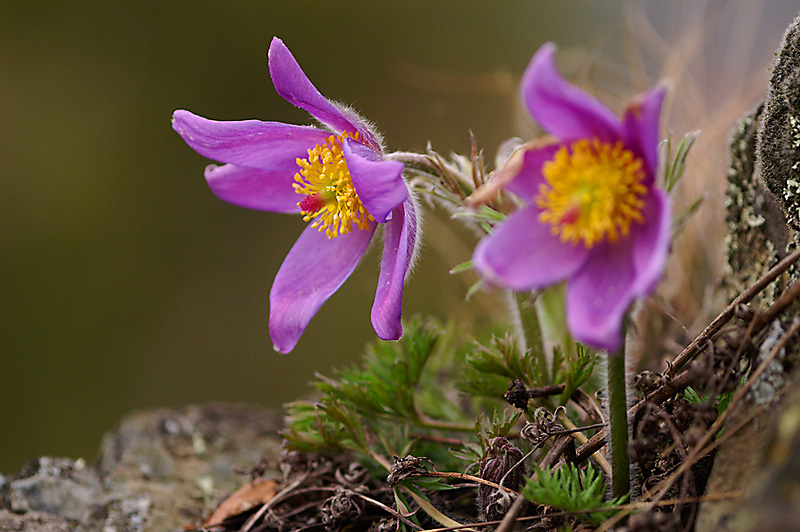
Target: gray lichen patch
765 388
757 234
56 485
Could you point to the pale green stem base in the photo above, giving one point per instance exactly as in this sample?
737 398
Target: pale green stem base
531 330
618 421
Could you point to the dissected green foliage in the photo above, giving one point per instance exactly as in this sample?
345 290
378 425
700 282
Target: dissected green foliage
381 407
499 424
426 381
410 396
386 382
489 368
573 370
571 489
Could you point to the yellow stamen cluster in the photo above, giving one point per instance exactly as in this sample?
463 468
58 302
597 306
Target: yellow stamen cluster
330 198
593 191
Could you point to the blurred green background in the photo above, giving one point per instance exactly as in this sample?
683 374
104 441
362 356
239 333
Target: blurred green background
124 283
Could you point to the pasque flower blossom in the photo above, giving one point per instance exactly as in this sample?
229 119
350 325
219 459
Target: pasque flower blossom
335 176
593 215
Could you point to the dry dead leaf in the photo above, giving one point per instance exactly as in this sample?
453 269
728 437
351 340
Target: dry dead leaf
257 491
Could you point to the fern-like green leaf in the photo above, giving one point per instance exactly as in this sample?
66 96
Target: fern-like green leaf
572 490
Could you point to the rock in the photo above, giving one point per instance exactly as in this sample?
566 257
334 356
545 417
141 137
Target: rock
57 486
763 200
774 499
32 522
735 464
161 470
763 461
778 148
185 459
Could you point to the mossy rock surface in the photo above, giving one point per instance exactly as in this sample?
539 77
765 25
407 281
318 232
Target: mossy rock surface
160 470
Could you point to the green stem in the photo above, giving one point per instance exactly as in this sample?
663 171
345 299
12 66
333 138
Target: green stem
430 423
618 421
532 339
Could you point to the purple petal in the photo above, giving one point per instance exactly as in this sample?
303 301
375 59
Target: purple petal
641 122
599 294
398 252
561 108
314 269
265 145
252 188
294 86
529 178
378 183
521 173
651 242
523 254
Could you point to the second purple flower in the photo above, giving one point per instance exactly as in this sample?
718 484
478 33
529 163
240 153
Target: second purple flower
594 216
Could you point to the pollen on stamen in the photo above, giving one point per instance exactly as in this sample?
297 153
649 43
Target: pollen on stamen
330 197
592 192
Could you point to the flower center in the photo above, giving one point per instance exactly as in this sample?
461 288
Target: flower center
330 198
593 191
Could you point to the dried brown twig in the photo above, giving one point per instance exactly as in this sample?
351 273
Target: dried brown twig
629 507
464 476
700 449
697 344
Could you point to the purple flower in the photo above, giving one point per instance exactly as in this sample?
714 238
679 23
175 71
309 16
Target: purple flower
337 178
593 215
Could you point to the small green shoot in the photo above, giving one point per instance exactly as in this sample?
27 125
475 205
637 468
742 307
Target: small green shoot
721 401
672 169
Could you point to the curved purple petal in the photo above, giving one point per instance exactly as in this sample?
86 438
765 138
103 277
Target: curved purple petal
651 242
599 294
529 178
561 108
641 121
294 86
314 269
522 253
378 183
263 190
265 145
398 253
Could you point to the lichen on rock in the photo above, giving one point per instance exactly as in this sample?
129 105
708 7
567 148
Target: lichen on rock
757 234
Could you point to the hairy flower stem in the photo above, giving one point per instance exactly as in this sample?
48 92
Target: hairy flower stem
618 421
531 330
